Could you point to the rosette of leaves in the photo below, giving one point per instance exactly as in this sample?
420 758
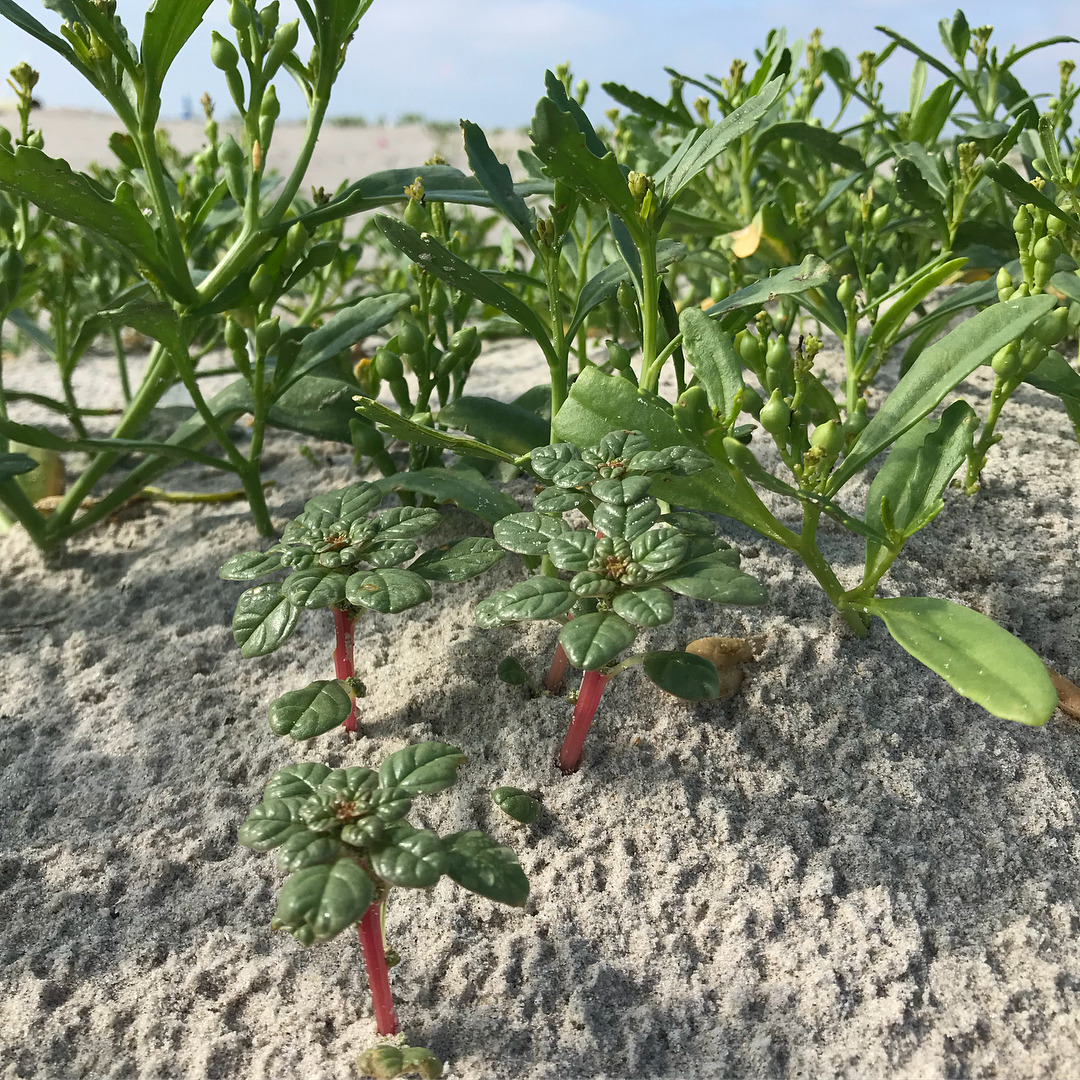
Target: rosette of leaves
343 838
623 565
344 554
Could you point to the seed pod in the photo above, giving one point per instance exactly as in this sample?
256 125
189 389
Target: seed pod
1006 361
880 217
232 161
36 140
1047 249
719 289
388 364
693 415
1052 327
750 351
828 438
400 389
262 284
223 54
465 344
1004 285
295 241
1034 353
411 339
268 114
845 293
856 421
267 334
618 355
1054 226
775 417
416 216
879 280
752 402
269 16
285 40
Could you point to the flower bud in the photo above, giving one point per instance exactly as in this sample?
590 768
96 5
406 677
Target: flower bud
285 41
719 289
845 293
267 334
295 241
465 344
749 350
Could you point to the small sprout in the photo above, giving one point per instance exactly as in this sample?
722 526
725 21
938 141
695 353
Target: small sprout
517 804
512 673
387 1061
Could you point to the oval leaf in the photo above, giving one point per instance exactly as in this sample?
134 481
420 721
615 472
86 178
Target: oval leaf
264 620
593 640
535 598
414 860
685 675
324 900
516 804
706 579
314 710
421 768
644 607
250 564
528 534
481 865
459 562
271 823
388 591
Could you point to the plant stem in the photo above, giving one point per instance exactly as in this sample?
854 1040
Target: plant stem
592 686
343 654
557 670
650 314
371 944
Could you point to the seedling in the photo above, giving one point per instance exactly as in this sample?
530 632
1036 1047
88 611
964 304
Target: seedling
625 564
389 1061
517 804
342 838
342 556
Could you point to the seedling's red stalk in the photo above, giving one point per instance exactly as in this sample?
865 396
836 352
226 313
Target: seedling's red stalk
343 655
592 686
371 944
557 670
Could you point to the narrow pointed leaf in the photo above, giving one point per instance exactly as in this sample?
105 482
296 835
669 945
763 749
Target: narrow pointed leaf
716 363
811 273
168 25
496 180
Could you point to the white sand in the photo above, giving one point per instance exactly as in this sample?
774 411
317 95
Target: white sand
846 870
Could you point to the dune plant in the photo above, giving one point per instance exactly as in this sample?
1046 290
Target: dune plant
626 562
343 840
342 555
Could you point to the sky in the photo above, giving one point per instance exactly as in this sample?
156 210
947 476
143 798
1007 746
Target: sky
484 60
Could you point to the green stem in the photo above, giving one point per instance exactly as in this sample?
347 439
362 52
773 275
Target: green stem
1003 390
808 550
121 363
650 314
559 363
4 443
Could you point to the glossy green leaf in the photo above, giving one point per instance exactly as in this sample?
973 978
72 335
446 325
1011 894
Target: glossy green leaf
686 676
250 564
168 25
271 823
711 353
497 423
392 553
593 640
18 16
324 900
549 460
976 657
529 533
460 561
916 472
624 491
811 273
643 105
314 405
264 620
535 598
351 783
303 849
422 768
407 522
644 607
891 320
709 579
928 120
468 488
626 521
301 780
516 804
496 180
435 259
660 550
913 187
414 859
12 465
482 865
555 500
938 370
315 588
387 591
827 146
572 552
317 708
346 504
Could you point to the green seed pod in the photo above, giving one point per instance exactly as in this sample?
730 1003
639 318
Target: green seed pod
269 17
1052 327
262 284
400 389
1021 290
828 438
1022 221
775 417
321 255
856 421
268 114
618 355
1047 250
719 289
440 302
1006 361
693 415
223 54
232 161
295 241
750 351
410 338
627 300
388 364
1033 354
845 293
267 334
36 140
235 337
1054 226
880 217
285 40
1004 285
240 15
780 370
752 402
879 280
416 216
465 344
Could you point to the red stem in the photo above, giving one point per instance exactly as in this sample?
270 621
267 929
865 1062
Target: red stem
557 670
378 974
343 654
592 686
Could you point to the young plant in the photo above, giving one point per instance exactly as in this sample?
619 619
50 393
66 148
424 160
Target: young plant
344 841
343 556
625 564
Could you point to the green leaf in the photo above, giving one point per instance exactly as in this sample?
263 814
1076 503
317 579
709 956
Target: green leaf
660 550
708 579
718 367
387 591
301 780
465 486
1025 192
682 168
593 640
347 504
482 865
271 823
351 783
535 598
529 533
624 491
497 423
938 370
516 804
323 900
168 25
21 18
407 522
811 273
918 469
928 120
976 657
645 106
314 405
435 259
644 607
317 708
913 188
1055 376
690 677
626 521
264 620
890 321
413 860
315 588
422 768
827 146
12 465
303 849
497 181
250 564
460 561
572 552
342 331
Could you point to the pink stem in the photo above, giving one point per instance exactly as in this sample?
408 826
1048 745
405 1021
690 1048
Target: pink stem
557 670
343 655
371 944
592 686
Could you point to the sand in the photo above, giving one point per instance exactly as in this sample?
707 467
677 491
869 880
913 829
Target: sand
845 870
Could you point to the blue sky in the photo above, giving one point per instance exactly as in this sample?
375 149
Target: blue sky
485 59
